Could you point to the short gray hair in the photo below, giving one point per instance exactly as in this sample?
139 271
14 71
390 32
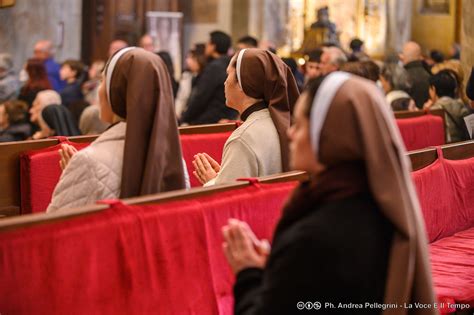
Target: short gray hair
397 76
336 56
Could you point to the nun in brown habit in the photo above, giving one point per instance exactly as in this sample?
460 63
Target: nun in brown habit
141 153
352 239
261 87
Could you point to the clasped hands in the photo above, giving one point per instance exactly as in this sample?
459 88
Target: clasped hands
242 248
206 168
66 152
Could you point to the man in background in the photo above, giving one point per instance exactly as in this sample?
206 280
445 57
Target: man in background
247 42
116 45
207 104
332 59
411 57
44 51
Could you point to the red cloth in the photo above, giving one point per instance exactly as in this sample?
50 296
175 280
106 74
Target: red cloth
211 143
39 174
452 263
154 259
421 132
446 192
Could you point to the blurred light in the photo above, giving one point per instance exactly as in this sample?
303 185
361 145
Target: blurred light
301 61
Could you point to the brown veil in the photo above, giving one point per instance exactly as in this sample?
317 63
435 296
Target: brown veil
354 135
139 91
263 75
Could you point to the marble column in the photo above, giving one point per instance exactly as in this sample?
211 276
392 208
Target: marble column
467 37
399 14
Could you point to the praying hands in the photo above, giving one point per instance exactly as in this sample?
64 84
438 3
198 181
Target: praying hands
66 152
242 248
206 168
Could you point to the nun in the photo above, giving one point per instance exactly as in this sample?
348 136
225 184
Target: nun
351 240
261 87
140 153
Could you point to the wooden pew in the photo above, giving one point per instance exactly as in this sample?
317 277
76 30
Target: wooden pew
10 169
42 218
412 114
454 151
10 165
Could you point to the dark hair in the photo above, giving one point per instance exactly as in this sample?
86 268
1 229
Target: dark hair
37 77
291 63
356 44
315 55
16 111
437 56
312 88
198 53
372 70
355 67
445 83
75 65
221 40
401 104
166 57
248 40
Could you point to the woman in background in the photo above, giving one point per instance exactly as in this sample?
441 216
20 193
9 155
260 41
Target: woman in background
195 63
37 81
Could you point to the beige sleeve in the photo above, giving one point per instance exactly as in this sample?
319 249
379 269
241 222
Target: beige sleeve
238 160
77 186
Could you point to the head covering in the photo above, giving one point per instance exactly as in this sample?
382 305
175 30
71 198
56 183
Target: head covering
352 129
139 91
60 119
263 75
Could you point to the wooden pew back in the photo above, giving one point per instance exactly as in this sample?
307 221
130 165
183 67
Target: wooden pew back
10 195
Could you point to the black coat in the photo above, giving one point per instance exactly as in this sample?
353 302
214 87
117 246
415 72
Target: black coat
470 86
16 132
420 82
206 104
71 94
335 253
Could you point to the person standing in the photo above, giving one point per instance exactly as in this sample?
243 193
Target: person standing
206 104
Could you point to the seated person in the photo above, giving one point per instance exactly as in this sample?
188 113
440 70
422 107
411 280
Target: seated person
57 120
140 154
72 71
261 87
443 92
354 232
42 99
12 121
396 84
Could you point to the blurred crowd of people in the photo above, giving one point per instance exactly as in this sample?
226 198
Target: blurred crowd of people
410 80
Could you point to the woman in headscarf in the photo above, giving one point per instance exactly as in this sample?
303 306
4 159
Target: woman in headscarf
57 120
140 154
261 87
354 233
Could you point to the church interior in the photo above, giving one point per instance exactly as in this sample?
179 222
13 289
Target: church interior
236 157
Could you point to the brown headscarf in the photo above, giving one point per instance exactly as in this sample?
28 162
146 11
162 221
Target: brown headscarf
355 137
139 91
263 75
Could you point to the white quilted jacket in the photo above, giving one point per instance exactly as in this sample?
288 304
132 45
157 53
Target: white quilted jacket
94 173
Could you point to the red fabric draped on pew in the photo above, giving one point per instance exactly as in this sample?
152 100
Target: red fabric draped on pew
211 143
153 259
421 132
40 169
39 174
446 193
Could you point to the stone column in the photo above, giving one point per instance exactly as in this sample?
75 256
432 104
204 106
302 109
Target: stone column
467 37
